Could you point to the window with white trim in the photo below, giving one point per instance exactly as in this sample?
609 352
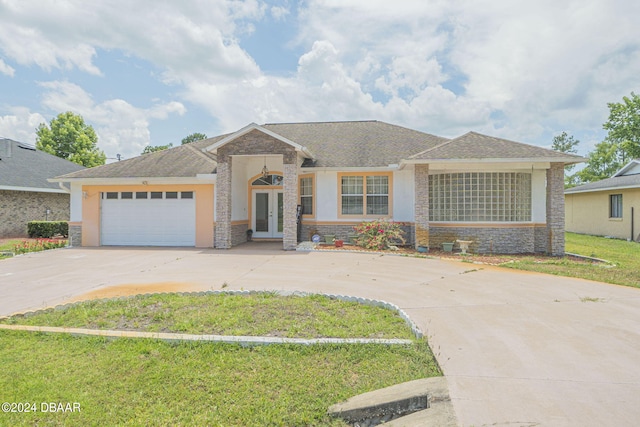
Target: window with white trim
365 195
615 206
306 195
480 197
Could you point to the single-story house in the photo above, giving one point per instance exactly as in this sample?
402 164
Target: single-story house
505 196
25 193
610 207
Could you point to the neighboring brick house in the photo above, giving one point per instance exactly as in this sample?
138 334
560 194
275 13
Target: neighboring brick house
609 207
25 193
505 196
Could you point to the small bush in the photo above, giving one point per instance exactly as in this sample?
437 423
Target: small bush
378 234
47 229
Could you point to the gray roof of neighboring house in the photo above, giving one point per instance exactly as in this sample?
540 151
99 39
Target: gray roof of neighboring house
21 165
622 181
183 161
351 144
473 145
356 144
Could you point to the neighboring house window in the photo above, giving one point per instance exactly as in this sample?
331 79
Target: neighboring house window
480 196
365 195
306 195
615 206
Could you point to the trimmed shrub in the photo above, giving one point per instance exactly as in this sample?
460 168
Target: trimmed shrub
47 229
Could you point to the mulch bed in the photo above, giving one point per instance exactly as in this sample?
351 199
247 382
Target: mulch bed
491 259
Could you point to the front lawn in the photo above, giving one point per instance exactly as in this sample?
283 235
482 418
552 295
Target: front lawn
258 314
149 382
624 255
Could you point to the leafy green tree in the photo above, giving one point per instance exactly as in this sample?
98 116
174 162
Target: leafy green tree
605 160
69 137
154 148
567 144
193 138
624 125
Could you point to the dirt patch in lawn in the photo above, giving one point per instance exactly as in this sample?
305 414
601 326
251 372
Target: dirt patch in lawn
137 289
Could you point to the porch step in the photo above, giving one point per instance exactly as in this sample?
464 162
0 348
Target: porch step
423 402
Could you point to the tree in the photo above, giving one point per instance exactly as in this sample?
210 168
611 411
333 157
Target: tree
624 125
193 138
154 148
68 137
605 160
566 144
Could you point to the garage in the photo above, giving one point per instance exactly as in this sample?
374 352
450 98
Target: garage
148 218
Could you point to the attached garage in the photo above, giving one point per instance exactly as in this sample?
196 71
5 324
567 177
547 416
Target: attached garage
148 218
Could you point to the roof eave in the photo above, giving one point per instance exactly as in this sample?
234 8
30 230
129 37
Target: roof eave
613 188
198 179
565 160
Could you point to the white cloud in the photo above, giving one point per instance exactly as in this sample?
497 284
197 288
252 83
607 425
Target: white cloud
6 69
121 127
20 125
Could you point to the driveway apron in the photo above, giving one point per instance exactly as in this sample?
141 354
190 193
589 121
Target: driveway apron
518 349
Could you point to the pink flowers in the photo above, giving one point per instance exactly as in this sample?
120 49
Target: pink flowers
38 245
378 234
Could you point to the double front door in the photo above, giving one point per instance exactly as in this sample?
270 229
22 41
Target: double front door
267 218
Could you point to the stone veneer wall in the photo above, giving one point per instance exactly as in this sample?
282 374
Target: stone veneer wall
75 235
17 208
342 231
499 240
239 234
540 233
555 209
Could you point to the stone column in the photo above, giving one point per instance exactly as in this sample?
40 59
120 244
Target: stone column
290 232
555 209
421 204
223 203
75 234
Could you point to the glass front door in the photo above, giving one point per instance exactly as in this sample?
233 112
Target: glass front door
267 218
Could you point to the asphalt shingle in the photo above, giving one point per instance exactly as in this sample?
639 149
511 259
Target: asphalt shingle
21 165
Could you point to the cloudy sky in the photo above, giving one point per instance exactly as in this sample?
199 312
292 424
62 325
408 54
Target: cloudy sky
151 72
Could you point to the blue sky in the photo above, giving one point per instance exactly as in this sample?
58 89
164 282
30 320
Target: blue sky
151 72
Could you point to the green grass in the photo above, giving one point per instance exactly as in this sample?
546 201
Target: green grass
624 255
262 314
8 245
146 382
132 382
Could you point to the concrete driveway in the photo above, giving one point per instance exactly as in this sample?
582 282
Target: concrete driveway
518 349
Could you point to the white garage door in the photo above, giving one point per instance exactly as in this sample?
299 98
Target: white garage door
148 218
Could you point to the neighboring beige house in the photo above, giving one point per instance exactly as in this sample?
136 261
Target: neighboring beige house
505 196
610 207
25 193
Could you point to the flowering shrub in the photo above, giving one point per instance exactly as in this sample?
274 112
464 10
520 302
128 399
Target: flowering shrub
38 245
378 234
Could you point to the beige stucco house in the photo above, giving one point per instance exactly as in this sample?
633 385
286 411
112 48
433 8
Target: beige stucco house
610 207
505 196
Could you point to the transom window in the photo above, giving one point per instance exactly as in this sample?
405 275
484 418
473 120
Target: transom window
615 206
364 195
480 196
268 180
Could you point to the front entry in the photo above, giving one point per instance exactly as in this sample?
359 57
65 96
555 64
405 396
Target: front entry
267 216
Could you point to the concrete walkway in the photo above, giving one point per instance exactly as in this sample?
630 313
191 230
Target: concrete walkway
518 349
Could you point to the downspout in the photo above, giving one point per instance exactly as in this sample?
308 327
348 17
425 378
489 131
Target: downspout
632 231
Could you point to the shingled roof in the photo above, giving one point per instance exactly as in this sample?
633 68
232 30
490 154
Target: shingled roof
22 166
183 161
627 177
356 144
473 145
350 144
